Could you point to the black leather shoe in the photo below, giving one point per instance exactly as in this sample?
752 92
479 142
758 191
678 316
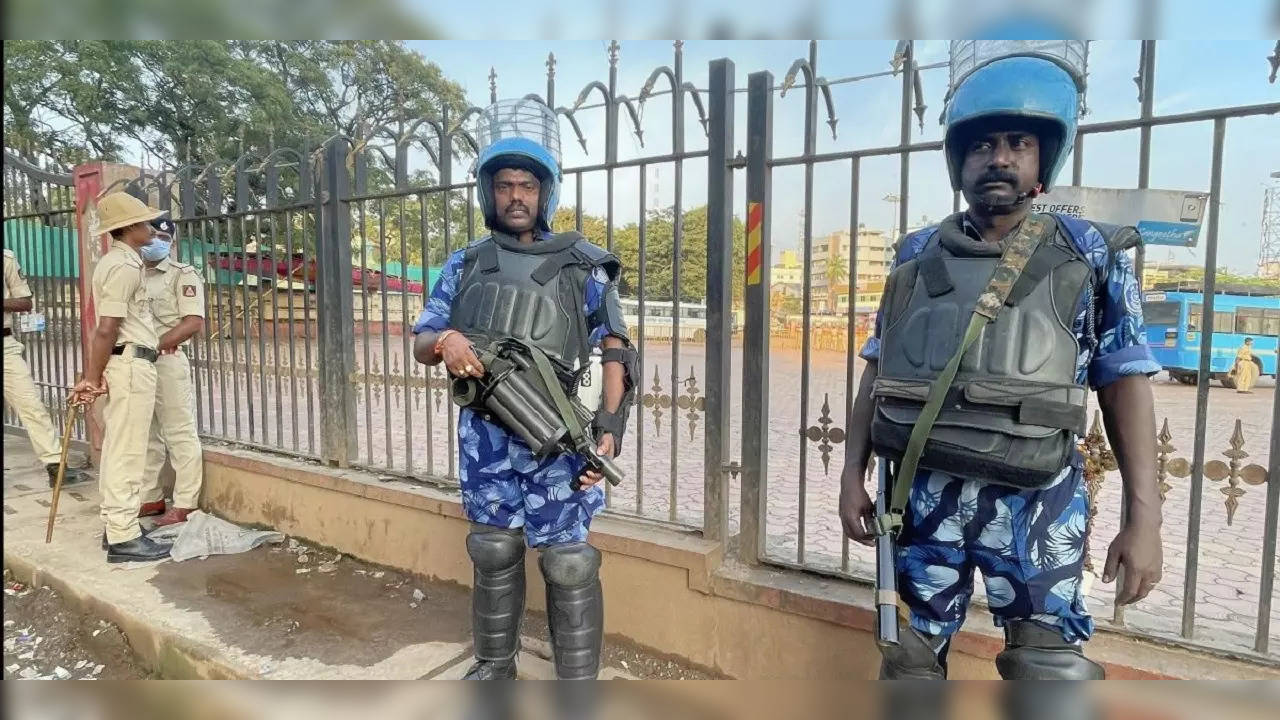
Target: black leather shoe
139 549
71 477
490 670
106 547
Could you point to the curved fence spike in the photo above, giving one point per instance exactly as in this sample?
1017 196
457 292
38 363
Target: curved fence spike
658 72
576 129
586 91
625 101
697 103
825 87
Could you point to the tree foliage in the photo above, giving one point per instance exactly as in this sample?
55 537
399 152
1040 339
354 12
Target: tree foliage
208 99
659 252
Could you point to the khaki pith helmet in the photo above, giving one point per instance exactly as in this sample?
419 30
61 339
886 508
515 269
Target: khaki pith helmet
120 209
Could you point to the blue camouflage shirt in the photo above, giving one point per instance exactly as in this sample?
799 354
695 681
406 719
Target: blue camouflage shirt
1121 337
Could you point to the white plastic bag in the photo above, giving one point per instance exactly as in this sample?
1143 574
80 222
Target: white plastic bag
203 534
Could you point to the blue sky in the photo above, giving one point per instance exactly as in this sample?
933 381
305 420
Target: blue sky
1191 75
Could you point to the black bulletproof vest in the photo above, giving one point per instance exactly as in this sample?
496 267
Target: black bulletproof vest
534 293
1015 406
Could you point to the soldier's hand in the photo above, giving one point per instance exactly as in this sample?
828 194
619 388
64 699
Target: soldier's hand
460 357
606 450
857 512
1137 550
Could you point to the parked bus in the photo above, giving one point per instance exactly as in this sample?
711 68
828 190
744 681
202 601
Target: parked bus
1174 331
658 321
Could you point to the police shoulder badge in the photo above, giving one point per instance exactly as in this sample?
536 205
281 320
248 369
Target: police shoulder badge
188 290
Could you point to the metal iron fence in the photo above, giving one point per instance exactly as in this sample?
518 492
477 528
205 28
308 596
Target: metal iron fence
306 255
39 228
1238 597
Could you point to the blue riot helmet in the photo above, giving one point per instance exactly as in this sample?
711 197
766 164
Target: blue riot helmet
521 134
1041 87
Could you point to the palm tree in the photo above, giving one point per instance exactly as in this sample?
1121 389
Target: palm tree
837 273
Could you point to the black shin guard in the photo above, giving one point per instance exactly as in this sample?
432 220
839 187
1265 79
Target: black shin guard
575 609
916 657
1033 651
497 601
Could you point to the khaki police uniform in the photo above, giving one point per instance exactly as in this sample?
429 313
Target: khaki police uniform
119 291
20 391
175 291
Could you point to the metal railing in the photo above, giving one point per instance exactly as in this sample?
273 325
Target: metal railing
309 302
792 488
39 228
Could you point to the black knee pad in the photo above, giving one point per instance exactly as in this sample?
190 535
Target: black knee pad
917 656
570 565
497 598
1035 651
493 549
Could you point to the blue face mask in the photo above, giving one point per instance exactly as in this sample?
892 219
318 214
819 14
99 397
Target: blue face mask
156 251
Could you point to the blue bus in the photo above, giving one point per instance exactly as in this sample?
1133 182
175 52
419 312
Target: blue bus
1174 322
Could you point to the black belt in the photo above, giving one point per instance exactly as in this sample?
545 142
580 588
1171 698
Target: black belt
8 332
139 351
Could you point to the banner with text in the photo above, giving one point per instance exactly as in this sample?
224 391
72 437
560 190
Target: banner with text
1163 217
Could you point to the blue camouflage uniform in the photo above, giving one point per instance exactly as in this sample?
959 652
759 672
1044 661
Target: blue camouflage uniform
503 483
1028 544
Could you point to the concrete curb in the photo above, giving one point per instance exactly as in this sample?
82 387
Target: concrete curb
165 652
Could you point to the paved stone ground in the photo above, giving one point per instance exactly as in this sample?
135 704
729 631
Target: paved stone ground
663 456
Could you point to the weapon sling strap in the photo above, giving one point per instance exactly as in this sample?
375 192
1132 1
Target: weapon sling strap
1012 261
548 375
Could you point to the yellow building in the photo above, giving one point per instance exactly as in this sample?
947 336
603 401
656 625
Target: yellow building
874 255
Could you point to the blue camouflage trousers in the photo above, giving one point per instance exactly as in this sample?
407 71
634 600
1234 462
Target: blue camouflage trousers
505 486
1028 544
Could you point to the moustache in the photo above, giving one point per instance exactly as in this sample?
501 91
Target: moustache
517 206
998 176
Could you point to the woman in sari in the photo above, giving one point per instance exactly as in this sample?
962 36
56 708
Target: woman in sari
1245 370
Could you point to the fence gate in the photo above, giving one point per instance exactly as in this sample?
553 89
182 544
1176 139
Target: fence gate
40 229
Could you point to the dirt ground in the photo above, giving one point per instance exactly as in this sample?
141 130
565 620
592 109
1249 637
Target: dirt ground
45 639
290 599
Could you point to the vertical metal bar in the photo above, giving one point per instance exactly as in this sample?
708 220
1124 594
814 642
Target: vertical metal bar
386 340
904 166
719 359
337 337
311 282
291 330
1202 385
366 395
640 341
275 328
755 351
1144 151
577 207
448 248
1144 176
1077 160
405 326
851 352
1271 519
244 321
806 342
426 371
262 335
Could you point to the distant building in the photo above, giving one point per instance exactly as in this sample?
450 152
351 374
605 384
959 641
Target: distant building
787 276
1270 270
874 255
1154 273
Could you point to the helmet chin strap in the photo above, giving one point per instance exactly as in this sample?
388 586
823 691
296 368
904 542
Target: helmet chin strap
1015 200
